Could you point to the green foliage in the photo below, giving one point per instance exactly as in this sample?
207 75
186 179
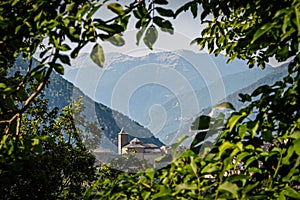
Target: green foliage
261 140
48 159
129 163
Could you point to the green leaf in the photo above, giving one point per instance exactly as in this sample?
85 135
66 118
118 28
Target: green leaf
186 186
225 105
47 138
163 24
184 8
39 75
161 2
163 192
116 40
11 148
297 147
224 146
265 28
295 134
17 29
2 86
58 68
237 177
150 173
137 14
15 2
234 118
286 21
64 59
146 195
75 52
241 156
109 28
116 8
250 160
123 21
139 34
165 12
3 141
194 9
194 166
290 192
210 168
254 169
250 187
35 141
254 128
97 55
175 146
201 123
297 13
64 47
22 94
88 192
150 37
229 187
92 12
197 140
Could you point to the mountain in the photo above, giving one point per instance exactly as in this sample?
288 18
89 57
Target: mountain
277 74
60 93
164 90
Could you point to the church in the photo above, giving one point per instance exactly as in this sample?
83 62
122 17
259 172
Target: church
148 152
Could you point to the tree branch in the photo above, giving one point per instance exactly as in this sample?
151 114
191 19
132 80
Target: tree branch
127 11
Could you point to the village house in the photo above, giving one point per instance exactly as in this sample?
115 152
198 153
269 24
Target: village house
148 152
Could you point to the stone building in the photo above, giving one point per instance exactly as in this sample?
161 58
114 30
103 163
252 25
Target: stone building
148 152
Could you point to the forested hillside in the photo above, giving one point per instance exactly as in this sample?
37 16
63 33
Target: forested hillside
60 93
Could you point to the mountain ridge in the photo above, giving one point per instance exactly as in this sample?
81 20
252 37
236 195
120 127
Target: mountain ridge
61 92
141 86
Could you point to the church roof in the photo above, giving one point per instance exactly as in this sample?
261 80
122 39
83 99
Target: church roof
150 145
135 141
131 145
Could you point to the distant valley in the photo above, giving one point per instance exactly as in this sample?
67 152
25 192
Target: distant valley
163 91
